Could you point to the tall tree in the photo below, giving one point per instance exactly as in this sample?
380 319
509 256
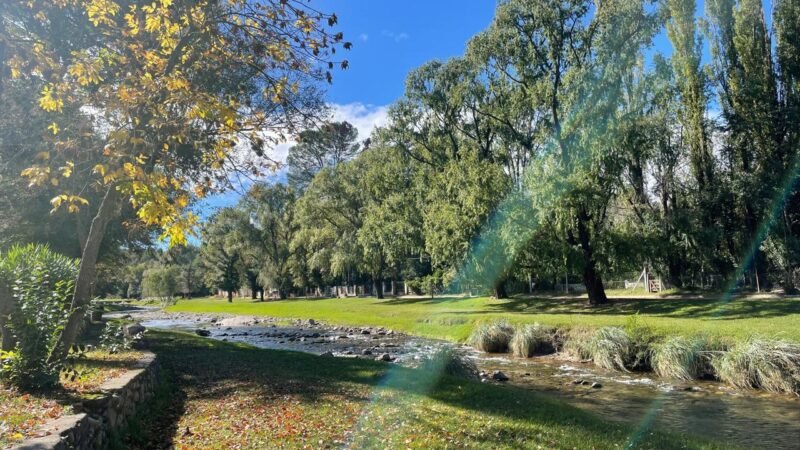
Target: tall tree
177 86
686 61
333 143
221 251
273 227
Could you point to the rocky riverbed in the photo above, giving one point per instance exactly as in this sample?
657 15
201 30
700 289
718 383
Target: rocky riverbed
709 409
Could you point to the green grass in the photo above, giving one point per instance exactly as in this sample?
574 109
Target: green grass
225 395
454 318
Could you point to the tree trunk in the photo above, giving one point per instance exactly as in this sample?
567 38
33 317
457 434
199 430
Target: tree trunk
261 294
81 296
377 286
500 289
230 296
591 278
594 285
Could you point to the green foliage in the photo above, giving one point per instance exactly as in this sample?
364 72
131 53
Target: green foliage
41 283
113 338
328 146
221 250
161 282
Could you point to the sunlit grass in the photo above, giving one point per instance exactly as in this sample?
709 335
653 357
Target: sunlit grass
454 318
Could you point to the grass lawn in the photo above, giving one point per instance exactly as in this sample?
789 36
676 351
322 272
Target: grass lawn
453 318
223 395
21 413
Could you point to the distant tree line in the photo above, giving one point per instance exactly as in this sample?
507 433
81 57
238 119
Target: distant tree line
559 143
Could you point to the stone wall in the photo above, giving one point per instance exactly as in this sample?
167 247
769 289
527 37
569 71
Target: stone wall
97 418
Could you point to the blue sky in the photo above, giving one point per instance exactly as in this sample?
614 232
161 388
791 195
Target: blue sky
391 38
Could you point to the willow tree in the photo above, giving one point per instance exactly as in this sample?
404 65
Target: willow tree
182 91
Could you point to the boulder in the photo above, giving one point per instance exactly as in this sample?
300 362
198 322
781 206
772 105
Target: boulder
596 385
499 376
366 352
385 357
327 354
133 329
201 332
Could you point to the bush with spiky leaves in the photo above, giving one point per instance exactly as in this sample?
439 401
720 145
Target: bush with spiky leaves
40 282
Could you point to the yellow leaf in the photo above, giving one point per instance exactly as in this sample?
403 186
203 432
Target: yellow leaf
49 101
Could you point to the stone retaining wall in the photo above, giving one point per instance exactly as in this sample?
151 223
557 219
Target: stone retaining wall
97 418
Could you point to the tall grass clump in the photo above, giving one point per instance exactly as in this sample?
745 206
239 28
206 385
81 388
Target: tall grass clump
448 361
611 348
533 339
683 358
772 365
492 337
576 343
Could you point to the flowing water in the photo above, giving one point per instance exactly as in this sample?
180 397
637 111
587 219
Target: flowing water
704 408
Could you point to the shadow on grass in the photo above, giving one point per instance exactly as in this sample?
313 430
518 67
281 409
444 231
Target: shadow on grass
661 307
201 371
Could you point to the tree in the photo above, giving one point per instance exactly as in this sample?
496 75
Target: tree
161 282
333 143
272 228
176 87
221 251
328 216
686 61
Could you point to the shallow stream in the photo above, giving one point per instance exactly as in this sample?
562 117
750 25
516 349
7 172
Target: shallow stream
703 408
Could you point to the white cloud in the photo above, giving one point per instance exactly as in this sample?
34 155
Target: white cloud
397 37
364 117
364 37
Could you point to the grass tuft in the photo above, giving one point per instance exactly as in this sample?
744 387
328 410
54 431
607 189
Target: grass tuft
533 339
493 337
612 348
683 358
448 361
772 365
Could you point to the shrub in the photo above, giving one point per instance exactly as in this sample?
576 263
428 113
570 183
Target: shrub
40 283
114 339
683 358
492 337
532 340
771 365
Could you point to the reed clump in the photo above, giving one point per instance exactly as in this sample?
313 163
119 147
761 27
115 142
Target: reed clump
684 358
533 339
772 365
492 337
